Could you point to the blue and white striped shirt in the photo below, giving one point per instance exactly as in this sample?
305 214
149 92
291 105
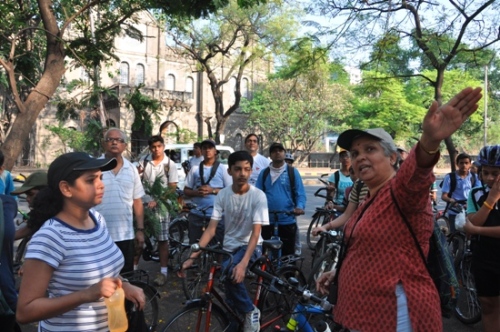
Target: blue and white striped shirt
80 259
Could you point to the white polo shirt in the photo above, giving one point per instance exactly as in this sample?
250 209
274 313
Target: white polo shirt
117 204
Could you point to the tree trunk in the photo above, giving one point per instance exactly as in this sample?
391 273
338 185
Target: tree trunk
42 92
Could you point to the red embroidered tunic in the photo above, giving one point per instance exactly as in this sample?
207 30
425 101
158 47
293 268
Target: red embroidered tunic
382 253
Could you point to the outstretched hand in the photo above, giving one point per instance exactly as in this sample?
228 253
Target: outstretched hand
442 121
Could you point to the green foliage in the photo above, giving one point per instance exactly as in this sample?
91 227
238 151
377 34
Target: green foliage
299 111
74 140
145 110
381 101
185 136
166 200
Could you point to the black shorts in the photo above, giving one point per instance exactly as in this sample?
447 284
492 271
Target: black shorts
487 281
287 235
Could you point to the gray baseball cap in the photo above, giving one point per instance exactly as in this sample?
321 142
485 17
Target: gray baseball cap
347 137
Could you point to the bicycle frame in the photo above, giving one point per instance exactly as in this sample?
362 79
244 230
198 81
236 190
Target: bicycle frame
299 317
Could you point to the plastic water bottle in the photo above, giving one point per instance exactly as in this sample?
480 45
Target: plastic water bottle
117 317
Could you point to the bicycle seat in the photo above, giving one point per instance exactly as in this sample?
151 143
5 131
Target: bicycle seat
272 244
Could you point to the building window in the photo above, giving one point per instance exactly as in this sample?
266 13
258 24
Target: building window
189 87
124 73
244 88
139 74
170 82
189 84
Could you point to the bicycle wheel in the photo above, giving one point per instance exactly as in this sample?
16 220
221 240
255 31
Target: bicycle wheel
325 263
151 306
319 219
444 225
275 309
193 318
468 309
290 271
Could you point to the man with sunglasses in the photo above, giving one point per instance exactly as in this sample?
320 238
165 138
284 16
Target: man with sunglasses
122 198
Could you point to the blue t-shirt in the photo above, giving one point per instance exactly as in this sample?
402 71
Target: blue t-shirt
344 183
463 188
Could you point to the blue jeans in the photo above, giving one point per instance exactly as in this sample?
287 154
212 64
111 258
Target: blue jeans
236 294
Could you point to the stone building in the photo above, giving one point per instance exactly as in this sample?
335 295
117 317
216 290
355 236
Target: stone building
184 93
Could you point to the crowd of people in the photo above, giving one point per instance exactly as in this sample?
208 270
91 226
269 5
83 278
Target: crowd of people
87 224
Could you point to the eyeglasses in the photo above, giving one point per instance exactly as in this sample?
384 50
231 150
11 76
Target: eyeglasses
112 139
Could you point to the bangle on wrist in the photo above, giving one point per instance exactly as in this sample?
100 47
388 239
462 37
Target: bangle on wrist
432 152
488 206
139 230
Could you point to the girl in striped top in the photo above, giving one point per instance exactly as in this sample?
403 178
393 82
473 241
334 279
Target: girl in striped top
71 263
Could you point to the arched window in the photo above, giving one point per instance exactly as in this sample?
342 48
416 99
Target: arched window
124 73
244 88
170 82
139 74
189 84
231 89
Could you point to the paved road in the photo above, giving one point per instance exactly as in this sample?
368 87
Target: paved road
172 297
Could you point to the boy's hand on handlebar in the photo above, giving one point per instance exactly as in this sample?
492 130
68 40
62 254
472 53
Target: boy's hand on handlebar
298 211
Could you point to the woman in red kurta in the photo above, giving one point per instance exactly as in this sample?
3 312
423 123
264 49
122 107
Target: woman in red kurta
383 282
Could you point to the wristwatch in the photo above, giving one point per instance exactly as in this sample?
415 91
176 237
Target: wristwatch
214 192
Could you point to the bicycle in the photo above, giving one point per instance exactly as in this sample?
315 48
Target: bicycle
331 242
197 274
321 216
276 257
205 314
140 278
468 308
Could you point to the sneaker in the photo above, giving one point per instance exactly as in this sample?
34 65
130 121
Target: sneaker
160 280
252 321
298 252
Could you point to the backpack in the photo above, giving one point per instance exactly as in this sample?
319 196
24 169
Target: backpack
453 182
291 177
439 264
215 166
166 167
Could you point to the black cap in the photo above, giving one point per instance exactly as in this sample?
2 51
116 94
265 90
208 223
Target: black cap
209 142
276 145
63 165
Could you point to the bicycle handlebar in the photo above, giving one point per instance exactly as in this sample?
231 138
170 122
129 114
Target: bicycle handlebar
196 247
303 293
317 193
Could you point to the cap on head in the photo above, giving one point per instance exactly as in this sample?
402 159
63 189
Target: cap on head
275 146
62 166
209 141
35 180
347 137
401 149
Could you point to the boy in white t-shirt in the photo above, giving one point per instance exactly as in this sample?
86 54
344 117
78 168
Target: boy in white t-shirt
245 211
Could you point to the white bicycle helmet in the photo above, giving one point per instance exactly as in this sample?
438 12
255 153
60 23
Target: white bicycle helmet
288 156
